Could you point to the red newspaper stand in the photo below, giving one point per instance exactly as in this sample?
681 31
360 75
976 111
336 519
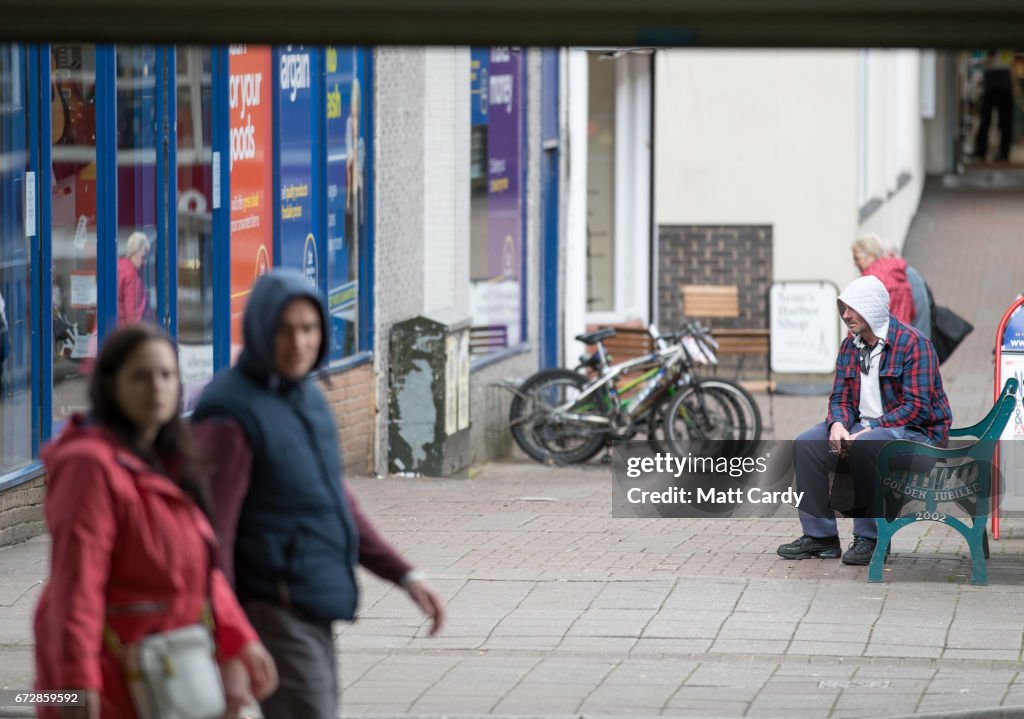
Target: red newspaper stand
1009 459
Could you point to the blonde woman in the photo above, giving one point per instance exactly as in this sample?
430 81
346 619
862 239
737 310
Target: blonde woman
132 303
869 256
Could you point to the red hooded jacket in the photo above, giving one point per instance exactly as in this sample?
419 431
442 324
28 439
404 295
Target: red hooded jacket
129 548
892 271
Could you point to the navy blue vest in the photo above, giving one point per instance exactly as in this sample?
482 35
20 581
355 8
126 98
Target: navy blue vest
297 542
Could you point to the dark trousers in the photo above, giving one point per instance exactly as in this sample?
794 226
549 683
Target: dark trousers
303 651
1000 101
813 462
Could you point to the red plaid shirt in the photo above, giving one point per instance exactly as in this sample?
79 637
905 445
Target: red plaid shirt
909 381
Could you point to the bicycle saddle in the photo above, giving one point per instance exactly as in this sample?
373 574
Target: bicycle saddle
590 338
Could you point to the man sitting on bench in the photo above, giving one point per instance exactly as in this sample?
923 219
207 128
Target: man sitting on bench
887 386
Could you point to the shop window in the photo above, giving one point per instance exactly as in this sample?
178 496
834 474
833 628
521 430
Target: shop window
250 105
16 400
194 219
349 130
73 224
497 196
137 87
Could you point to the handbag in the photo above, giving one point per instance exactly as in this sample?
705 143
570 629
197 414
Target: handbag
174 675
948 328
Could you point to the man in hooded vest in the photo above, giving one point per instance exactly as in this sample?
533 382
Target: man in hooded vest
290 531
887 386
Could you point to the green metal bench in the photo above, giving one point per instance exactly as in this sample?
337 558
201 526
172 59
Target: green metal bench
919 482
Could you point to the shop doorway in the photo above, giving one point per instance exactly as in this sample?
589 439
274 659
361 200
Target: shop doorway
990 108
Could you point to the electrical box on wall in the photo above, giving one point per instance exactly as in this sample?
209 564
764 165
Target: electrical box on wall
429 398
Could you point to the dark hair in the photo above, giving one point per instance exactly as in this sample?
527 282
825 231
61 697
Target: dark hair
172 449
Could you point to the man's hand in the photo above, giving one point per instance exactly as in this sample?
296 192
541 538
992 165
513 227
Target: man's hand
837 436
429 602
249 674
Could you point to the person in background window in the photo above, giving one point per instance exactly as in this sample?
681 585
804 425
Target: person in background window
869 256
132 302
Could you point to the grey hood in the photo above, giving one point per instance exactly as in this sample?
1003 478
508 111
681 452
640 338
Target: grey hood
270 294
868 297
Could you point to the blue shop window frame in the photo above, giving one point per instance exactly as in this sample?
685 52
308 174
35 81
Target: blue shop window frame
19 137
221 214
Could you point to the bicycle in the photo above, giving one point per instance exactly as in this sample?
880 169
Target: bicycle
559 416
711 410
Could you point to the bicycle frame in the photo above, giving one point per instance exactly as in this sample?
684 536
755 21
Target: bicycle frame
664 374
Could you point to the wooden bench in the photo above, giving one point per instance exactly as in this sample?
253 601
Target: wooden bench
628 342
919 482
722 302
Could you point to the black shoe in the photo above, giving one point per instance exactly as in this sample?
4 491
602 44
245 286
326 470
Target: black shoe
860 551
807 547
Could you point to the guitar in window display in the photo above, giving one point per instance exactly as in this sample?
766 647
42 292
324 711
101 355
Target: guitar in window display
72 112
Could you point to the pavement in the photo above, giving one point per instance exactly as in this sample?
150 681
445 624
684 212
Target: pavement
557 609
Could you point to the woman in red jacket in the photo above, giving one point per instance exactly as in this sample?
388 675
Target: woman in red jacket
869 256
132 547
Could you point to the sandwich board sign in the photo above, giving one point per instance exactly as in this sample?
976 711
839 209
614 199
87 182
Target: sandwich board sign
804 326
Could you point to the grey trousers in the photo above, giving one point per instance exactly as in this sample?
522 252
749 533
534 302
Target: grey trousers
303 651
812 462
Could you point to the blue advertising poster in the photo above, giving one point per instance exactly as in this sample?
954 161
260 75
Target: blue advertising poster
297 130
1013 334
479 60
348 122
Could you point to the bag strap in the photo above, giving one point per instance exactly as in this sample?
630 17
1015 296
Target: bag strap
113 642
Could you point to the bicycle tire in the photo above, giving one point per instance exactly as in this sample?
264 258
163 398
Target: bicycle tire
713 413
544 440
742 401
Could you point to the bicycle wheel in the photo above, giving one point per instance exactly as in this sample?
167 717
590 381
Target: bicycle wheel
544 438
712 415
747 415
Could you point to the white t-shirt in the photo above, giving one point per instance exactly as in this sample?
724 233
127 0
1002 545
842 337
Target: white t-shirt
870 393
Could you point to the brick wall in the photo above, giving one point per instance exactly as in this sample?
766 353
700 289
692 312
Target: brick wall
738 255
350 395
21 511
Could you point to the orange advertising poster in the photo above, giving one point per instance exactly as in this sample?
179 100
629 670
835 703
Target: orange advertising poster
252 248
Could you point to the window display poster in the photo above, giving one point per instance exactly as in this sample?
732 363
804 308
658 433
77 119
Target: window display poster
478 72
504 153
251 169
347 122
297 129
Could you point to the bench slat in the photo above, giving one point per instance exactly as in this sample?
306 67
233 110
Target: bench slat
711 301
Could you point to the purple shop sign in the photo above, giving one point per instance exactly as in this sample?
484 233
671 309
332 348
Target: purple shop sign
504 153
